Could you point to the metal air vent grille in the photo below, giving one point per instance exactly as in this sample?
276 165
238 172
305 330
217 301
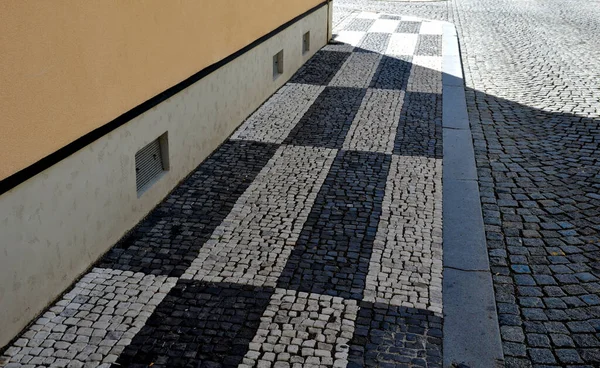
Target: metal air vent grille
148 165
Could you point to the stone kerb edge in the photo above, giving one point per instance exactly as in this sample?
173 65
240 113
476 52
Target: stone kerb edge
471 330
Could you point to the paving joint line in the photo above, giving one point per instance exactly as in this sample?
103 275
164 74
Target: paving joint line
466 270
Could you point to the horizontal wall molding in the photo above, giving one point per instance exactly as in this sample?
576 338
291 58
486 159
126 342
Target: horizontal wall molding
32 170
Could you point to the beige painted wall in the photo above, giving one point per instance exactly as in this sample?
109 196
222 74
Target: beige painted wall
56 224
68 67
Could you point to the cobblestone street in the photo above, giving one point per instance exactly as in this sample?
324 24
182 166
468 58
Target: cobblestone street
311 238
535 115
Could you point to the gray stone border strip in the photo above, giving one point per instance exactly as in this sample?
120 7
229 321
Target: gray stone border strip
471 330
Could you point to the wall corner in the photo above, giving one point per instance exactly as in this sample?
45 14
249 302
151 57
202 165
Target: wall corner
329 20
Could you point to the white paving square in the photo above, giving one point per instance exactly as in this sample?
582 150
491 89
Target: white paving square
368 15
410 18
93 322
430 62
402 44
304 330
432 27
357 71
274 120
253 243
374 127
406 264
384 26
425 75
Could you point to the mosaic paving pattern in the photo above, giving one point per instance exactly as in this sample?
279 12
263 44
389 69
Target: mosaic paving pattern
311 238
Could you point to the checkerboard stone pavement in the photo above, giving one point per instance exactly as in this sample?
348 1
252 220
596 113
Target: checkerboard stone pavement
311 238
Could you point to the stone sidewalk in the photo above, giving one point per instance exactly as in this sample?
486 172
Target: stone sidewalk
312 237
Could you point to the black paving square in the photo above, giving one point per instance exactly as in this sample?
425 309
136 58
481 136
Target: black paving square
374 42
328 120
359 24
429 45
392 73
392 336
168 240
321 68
408 27
420 128
333 251
199 324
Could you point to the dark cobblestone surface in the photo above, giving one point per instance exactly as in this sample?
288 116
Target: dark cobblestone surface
429 45
199 324
535 119
389 336
321 68
420 128
392 73
328 120
408 27
333 251
390 16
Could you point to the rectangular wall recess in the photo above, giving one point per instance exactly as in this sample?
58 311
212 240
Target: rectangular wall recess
151 162
306 43
278 64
